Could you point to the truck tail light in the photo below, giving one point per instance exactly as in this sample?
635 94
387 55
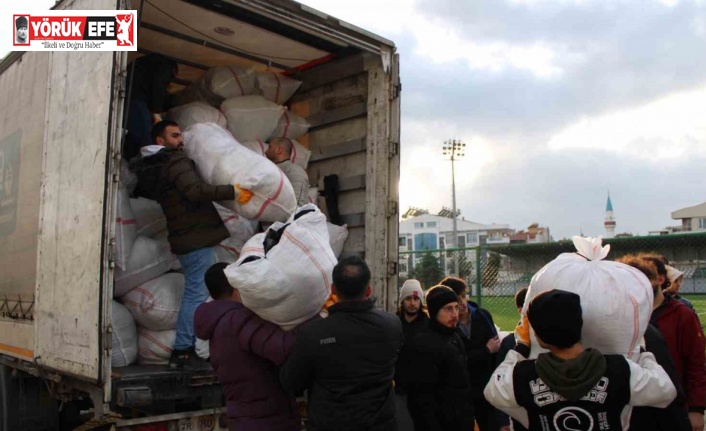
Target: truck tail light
152 427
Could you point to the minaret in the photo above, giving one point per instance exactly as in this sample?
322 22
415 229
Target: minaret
609 222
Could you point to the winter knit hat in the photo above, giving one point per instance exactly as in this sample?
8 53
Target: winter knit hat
21 22
411 287
556 317
437 297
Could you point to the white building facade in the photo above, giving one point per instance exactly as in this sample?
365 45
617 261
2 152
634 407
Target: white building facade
434 232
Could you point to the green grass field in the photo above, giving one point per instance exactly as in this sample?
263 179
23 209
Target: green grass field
505 314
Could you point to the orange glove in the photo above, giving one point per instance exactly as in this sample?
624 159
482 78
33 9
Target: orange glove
522 332
332 299
244 195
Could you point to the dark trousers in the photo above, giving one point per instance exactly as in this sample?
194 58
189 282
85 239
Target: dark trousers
486 415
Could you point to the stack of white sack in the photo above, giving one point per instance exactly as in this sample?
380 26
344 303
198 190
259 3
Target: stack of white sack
275 87
220 159
154 347
290 126
149 259
149 217
196 112
251 118
155 304
288 281
616 299
240 229
124 336
217 84
258 147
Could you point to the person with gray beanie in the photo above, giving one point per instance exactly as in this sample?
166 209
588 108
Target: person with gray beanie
438 384
413 315
571 387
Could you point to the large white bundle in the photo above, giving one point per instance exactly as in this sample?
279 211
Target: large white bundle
128 179
149 259
290 126
154 347
275 87
125 228
155 304
124 336
220 159
196 112
616 299
337 237
300 155
240 229
289 283
314 195
149 216
251 117
259 147
218 83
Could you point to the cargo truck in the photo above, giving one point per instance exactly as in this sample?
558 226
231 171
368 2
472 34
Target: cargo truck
61 131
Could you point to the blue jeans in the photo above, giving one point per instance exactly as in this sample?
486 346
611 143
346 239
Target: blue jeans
195 265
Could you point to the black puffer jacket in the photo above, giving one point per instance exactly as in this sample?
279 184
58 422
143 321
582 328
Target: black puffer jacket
347 362
439 392
170 178
409 330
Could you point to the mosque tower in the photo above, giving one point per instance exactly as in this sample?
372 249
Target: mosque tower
609 222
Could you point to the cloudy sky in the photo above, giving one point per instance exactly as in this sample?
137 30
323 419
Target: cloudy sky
558 102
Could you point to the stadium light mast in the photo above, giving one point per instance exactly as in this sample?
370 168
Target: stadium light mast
455 149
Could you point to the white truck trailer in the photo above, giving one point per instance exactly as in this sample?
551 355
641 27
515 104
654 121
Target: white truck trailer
61 128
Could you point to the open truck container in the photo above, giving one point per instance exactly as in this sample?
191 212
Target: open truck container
60 138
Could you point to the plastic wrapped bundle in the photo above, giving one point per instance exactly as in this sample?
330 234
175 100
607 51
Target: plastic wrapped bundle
616 299
154 347
124 336
220 159
149 259
196 112
155 304
275 87
251 118
217 84
149 217
284 275
258 147
125 228
240 229
290 126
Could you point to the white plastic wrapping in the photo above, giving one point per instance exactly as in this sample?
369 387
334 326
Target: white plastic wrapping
125 228
337 237
300 155
155 347
124 336
291 282
290 126
220 159
217 84
616 299
155 304
149 259
251 118
259 147
149 217
275 87
196 112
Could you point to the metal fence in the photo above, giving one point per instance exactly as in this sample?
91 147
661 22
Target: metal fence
495 272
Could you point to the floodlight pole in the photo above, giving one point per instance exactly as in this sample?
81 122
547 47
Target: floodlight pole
454 148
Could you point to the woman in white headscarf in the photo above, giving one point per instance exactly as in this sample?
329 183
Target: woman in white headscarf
675 278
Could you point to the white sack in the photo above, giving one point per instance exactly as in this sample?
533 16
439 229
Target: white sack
124 336
154 347
291 282
155 304
220 159
275 87
258 147
616 299
251 118
149 217
128 179
202 347
337 237
314 195
125 228
196 112
149 259
290 126
217 84
240 229
300 155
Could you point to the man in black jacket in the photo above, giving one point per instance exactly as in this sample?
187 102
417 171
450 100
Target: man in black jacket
482 343
166 175
413 315
439 387
346 361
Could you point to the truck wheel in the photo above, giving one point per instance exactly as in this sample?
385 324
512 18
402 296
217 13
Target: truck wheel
25 403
